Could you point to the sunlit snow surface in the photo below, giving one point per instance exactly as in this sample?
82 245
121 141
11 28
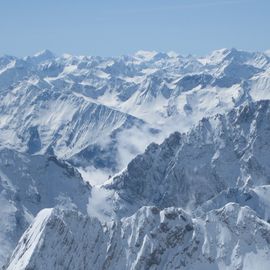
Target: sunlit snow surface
199 200
84 109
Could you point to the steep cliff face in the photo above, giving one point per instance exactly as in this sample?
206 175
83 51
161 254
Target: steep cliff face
225 151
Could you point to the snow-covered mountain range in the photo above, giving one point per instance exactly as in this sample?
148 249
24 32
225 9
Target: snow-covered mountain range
226 151
82 109
197 200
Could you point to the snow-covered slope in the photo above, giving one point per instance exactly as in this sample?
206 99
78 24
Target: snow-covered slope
29 184
82 108
222 152
232 237
218 172
97 114
52 120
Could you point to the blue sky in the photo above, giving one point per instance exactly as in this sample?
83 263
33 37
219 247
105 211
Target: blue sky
118 27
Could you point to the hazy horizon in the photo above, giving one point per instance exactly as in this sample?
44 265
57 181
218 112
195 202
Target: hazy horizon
116 28
267 51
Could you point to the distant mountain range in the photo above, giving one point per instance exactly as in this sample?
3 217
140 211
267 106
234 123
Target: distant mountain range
79 108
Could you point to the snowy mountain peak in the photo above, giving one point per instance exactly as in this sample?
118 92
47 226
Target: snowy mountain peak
232 237
44 55
29 184
146 55
219 56
40 57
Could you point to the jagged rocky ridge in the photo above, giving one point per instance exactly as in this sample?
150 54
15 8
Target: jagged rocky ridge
232 237
218 172
226 151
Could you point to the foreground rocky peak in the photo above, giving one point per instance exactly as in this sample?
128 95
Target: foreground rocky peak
232 237
30 183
